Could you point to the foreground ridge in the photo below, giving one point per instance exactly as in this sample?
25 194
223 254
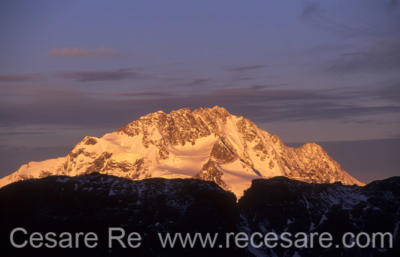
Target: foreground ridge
206 143
95 202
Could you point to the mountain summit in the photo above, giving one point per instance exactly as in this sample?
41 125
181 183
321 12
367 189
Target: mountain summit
206 143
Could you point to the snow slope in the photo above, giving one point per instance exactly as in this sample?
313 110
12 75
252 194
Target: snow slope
206 143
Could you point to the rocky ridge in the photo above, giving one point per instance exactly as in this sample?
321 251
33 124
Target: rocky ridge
206 143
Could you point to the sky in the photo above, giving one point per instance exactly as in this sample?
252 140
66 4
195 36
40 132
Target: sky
308 71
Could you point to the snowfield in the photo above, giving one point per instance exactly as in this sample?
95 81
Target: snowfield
207 143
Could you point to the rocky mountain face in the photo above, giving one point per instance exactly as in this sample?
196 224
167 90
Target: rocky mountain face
207 143
95 202
283 205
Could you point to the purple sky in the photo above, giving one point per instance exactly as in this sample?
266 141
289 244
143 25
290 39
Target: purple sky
324 71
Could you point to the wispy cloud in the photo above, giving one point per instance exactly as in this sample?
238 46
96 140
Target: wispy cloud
154 93
382 56
391 92
87 76
82 52
258 92
313 13
14 133
392 4
311 9
194 82
20 77
245 68
76 107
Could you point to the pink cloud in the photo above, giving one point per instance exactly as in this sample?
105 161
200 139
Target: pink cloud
82 52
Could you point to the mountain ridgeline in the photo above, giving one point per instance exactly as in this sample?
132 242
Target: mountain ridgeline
206 143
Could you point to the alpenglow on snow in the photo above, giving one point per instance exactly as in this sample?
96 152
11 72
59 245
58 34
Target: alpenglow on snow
206 143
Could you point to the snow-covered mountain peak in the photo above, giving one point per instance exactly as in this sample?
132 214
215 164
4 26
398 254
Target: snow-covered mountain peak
206 143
